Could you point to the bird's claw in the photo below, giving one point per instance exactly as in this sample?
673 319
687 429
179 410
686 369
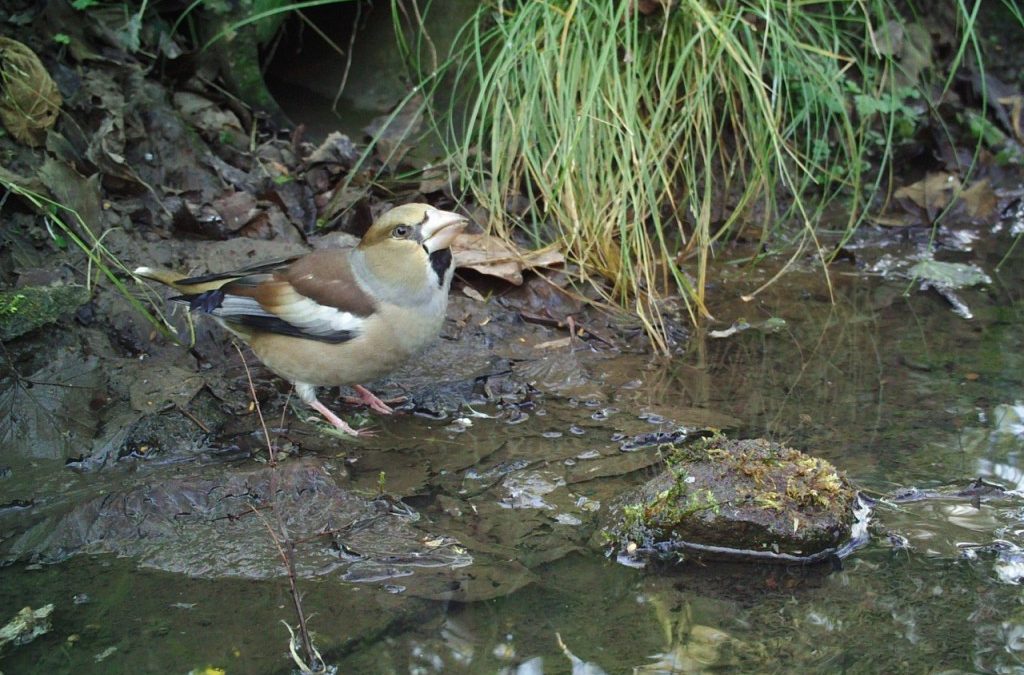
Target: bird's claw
370 400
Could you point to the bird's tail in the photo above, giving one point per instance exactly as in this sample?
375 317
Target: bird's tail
184 285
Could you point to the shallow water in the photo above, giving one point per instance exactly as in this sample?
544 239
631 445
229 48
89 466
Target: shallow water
886 382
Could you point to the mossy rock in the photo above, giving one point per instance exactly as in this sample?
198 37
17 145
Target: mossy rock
748 499
25 309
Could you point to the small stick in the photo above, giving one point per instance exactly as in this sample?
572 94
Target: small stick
285 545
193 418
256 404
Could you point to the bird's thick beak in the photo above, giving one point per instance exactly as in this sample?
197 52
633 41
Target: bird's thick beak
441 228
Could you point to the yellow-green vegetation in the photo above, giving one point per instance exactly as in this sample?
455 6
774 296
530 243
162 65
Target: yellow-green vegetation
639 141
780 477
649 519
814 482
668 507
11 303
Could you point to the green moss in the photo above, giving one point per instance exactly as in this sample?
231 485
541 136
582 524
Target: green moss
12 303
781 477
646 521
745 494
28 308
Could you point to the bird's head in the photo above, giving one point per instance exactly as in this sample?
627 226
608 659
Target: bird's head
406 249
406 228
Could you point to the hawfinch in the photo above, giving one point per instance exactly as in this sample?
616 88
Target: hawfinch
337 316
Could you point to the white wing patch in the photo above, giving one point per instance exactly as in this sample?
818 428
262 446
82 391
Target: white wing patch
317 319
237 305
305 314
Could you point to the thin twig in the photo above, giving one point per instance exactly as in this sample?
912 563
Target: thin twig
256 403
195 419
285 546
348 57
288 558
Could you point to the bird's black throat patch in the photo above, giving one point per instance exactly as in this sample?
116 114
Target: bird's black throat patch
440 261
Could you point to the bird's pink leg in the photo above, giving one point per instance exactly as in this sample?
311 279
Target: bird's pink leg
307 394
371 400
338 423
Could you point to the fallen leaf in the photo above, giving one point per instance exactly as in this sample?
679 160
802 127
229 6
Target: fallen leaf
554 344
895 220
980 200
394 134
74 192
1016 104
50 415
337 148
495 257
889 40
235 209
933 193
30 101
210 118
471 292
434 179
949 275
542 299
915 52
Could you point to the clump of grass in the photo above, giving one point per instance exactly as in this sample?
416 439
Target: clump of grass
640 141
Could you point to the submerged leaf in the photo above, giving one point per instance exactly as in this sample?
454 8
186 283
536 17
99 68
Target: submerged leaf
945 278
27 625
949 275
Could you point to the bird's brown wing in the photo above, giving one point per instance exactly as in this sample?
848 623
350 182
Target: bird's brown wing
326 278
313 297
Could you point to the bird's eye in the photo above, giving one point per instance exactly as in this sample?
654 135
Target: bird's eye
401 232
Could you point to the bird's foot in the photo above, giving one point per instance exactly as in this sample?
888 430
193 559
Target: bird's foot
338 423
369 399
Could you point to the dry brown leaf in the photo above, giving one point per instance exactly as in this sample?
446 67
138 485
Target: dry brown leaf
1016 104
206 115
932 193
29 99
497 258
235 209
554 344
980 200
434 179
471 292
895 220
337 148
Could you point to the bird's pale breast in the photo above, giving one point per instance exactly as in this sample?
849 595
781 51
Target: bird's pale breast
391 336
